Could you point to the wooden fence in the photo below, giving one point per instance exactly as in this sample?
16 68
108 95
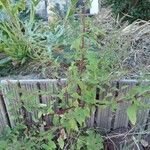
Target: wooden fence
32 91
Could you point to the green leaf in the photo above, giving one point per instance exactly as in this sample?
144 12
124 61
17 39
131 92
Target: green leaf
40 114
35 2
32 15
73 2
76 44
50 110
131 112
52 145
22 5
73 124
4 3
71 10
56 120
80 143
3 145
79 115
61 143
94 141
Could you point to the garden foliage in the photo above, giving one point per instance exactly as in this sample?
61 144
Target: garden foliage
133 9
72 41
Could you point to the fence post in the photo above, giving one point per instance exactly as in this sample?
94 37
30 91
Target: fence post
3 116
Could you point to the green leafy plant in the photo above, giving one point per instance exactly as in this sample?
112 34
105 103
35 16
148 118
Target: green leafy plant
90 141
133 9
26 39
88 69
16 35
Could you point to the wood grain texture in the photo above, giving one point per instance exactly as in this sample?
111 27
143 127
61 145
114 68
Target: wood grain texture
12 102
30 99
121 118
3 119
48 98
104 114
90 121
143 113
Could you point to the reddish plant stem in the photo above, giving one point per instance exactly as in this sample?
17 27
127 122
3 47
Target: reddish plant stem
81 64
83 26
83 30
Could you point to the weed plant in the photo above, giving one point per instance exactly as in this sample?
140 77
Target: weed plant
72 42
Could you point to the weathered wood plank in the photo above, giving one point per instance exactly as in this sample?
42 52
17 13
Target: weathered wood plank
48 98
90 121
46 91
3 119
104 114
143 114
30 99
12 102
121 118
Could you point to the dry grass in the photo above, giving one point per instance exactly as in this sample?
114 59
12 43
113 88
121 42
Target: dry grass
139 51
132 41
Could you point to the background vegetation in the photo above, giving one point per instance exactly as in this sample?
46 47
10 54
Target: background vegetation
132 9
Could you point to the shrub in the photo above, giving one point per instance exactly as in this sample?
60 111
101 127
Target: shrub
88 70
23 37
135 9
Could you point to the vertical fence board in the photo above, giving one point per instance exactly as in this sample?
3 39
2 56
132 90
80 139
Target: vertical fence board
30 97
148 122
121 118
47 97
46 89
49 92
55 92
11 98
104 115
143 114
5 91
90 121
3 119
